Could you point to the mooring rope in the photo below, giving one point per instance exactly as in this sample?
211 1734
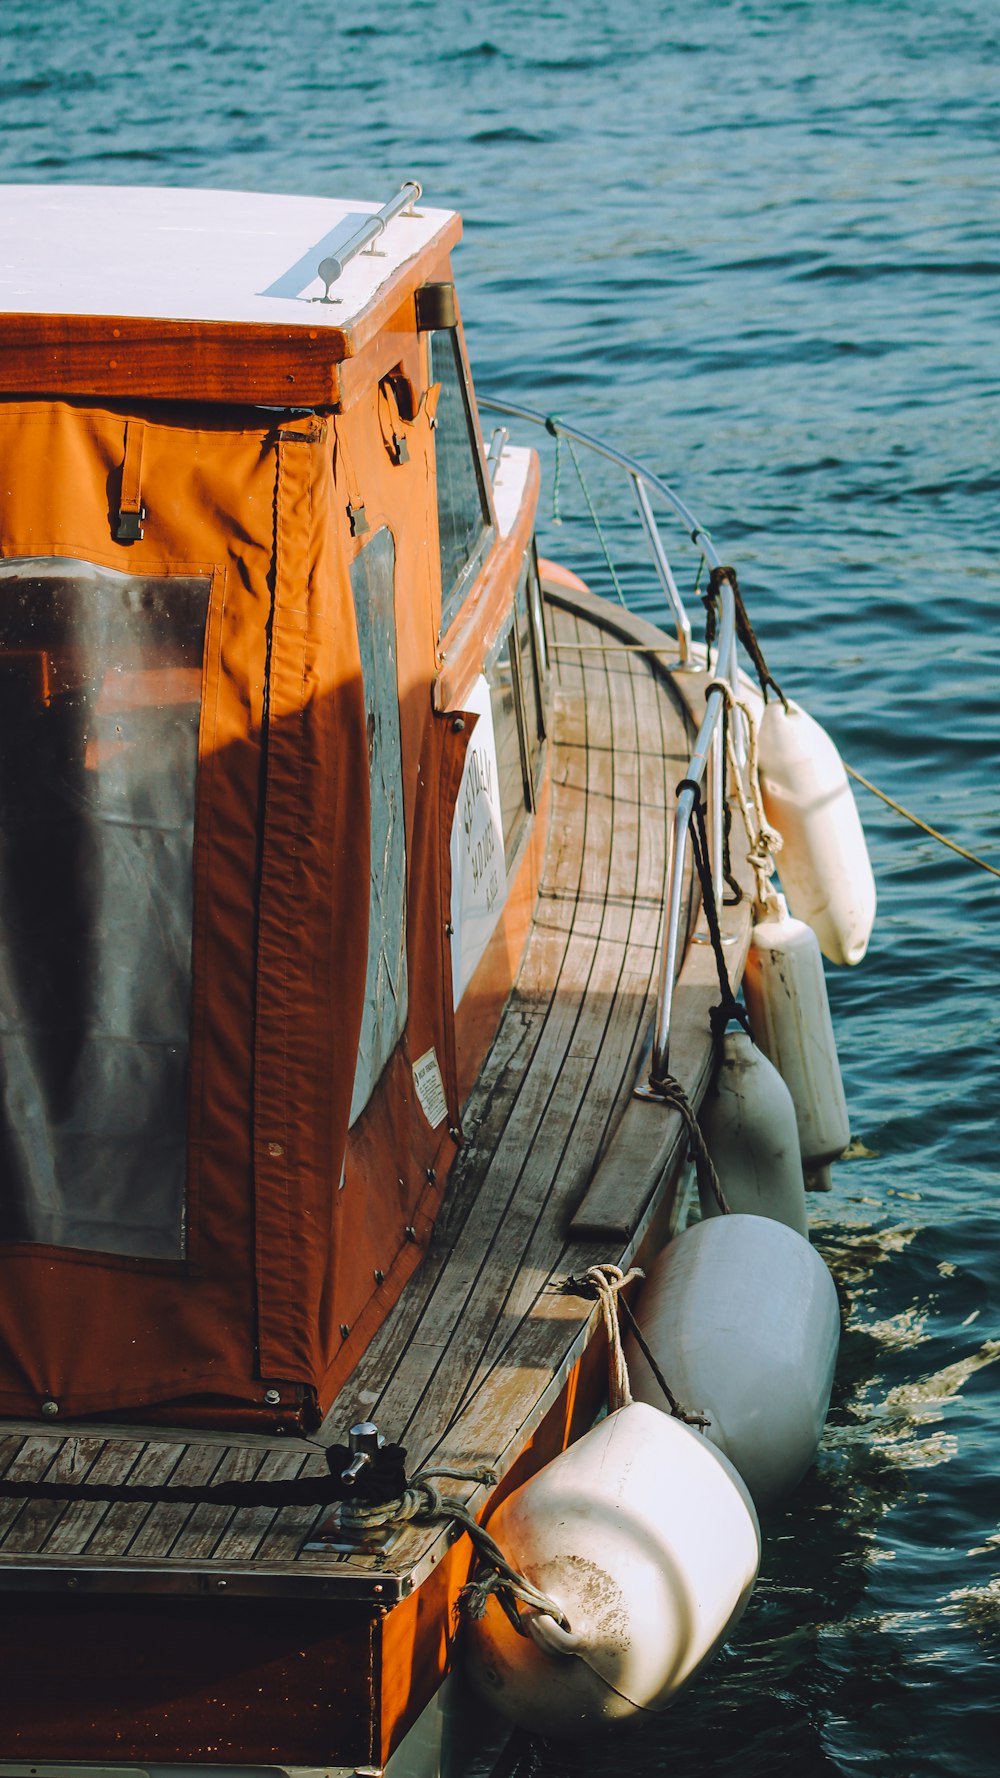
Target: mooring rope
673 1094
729 1007
380 1498
763 841
422 1502
382 1480
670 649
746 634
606 1282
924 826
744 629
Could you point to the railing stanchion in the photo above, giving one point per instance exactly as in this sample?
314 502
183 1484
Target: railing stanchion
676 855
706 768
718 813
663 569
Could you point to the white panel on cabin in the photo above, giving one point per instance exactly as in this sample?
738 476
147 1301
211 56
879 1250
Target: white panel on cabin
509 485
478 870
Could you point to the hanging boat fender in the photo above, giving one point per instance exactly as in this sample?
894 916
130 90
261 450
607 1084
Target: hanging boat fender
647 1540
741 1316
748 1121
785 991
824 865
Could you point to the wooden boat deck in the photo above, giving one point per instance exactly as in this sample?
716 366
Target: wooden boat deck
482 1342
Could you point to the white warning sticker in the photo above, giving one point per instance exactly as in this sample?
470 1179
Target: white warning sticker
430 1089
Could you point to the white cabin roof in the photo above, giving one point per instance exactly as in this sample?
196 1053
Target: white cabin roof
194 255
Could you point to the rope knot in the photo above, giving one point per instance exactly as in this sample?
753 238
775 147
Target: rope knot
604 1282
763 841
744 628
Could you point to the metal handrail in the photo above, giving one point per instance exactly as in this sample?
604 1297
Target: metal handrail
707 757
332 268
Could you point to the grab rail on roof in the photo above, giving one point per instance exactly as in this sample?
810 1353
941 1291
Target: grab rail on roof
706 764
331 268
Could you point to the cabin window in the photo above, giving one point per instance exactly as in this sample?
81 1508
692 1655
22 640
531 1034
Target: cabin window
464 523
373 585
531 637
100 701
514 780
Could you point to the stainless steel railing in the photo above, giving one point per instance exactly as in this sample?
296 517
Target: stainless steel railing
706 767
332 268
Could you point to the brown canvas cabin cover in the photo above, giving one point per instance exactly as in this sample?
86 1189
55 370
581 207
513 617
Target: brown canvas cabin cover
286 1258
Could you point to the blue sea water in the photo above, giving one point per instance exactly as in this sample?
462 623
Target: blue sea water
757 244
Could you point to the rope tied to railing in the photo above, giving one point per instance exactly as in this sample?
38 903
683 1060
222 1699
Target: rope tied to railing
744 628
763 841
729 1007
709 1183
735 896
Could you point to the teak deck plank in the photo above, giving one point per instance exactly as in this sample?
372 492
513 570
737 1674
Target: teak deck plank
248 1527
283 1541
72 1459
480 1341
162 1529
121 1523
207 1524
114 1464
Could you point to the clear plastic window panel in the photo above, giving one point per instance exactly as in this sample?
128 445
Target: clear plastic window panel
463 511
529 652
100 699
373 584
501 674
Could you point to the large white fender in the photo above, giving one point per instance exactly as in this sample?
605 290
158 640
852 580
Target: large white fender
648 1541
824 866
785 991
741 1316
748 1121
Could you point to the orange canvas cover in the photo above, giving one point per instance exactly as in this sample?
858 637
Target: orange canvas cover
290 1256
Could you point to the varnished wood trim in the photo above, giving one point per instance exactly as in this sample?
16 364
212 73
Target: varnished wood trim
466 644
119 357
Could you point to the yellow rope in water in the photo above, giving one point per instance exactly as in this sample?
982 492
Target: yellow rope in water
908 815
923 826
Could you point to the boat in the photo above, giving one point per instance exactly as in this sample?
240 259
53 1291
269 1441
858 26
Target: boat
371 935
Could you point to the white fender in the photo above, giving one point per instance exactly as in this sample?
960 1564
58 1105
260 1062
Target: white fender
741 1316
785 991
823 864
748 1122
648 1541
